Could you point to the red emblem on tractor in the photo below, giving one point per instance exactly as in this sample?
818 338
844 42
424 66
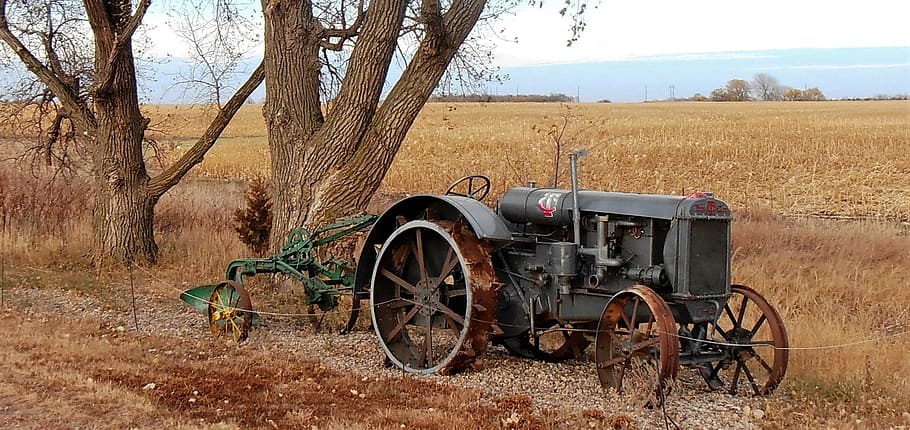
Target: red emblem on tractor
547 204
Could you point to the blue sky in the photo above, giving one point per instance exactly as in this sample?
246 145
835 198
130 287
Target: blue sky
632 47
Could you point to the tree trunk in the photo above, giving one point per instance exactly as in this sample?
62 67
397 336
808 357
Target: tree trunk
123 217
124 194
340 163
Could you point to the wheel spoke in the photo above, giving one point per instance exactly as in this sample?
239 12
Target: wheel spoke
642 345
398 303
616 338
635 314
454 326
612 362
761 361
407 318
742 313
729 313
457 293
446 310
421 262
622 371
716 369
736 372
426 353
396 279
451 261
758 324
750 378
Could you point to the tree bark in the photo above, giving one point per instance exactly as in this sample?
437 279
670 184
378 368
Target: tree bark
339 162
123 216
124 194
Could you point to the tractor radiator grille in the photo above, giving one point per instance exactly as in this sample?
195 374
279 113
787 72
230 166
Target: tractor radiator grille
708 259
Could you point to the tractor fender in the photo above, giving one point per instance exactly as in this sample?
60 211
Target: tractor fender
483 221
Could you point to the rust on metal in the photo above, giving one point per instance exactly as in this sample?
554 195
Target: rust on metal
636 325
484 286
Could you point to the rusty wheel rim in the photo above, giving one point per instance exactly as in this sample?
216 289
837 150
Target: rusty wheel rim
432 297
230 311
758 361
636 347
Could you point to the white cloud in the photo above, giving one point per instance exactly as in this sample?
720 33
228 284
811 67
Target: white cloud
618 30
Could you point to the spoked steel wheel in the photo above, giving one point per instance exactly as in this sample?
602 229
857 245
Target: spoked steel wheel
636 350
432 297
754 341
230 311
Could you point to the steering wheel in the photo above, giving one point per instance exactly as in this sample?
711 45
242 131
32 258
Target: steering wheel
478 186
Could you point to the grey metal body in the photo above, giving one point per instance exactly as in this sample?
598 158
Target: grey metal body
561 255
677 245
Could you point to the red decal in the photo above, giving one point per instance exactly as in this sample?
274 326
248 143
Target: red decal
547 204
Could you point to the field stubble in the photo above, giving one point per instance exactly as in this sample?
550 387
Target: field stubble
833 158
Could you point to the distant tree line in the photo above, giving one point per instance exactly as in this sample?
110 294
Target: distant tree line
521 98
763 87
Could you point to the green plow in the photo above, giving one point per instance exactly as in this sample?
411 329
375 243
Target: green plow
326 283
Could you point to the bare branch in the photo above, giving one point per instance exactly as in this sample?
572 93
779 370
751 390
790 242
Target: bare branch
53 134
167 179
72 105
345 32
104 77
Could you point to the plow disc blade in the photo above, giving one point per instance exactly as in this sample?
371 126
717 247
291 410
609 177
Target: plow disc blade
198 297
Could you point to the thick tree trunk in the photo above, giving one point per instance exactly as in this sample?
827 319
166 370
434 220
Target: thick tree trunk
306 148
345 160
292 108
124 210
124 195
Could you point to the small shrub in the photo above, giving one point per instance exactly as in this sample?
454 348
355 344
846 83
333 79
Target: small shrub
253 223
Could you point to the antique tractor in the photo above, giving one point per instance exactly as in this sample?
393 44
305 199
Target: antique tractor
645 278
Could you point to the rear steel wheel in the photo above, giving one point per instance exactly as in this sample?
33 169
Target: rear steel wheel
432 297
636 350
230 311
754 341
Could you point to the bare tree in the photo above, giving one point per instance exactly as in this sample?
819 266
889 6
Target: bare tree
89 88
327 161
767 88
219 37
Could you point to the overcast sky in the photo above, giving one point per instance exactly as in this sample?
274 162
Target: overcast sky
640 28
636 28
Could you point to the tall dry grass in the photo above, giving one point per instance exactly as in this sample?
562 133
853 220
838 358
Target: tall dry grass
831 158
835 282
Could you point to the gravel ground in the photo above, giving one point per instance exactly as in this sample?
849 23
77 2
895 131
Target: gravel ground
570 386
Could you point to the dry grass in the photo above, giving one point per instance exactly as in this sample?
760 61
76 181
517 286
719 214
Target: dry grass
78 373
835 158
835 282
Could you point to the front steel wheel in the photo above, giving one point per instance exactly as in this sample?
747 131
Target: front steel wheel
636 349
432 297
754 341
